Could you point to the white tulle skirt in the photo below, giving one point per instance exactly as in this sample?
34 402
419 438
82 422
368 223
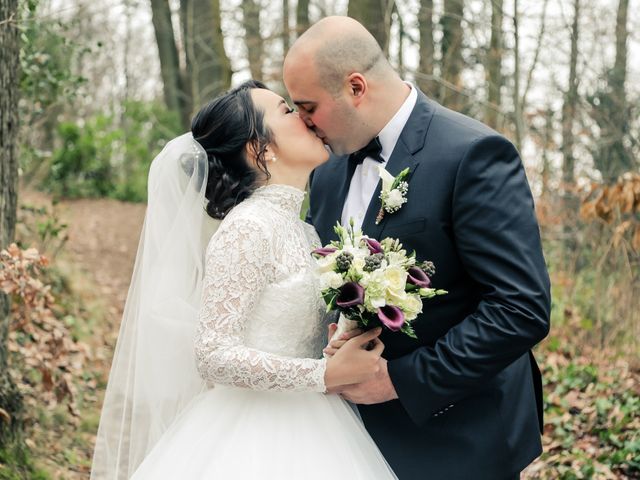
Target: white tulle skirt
232 433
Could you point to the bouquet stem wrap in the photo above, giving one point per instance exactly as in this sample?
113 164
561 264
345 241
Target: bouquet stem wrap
344 325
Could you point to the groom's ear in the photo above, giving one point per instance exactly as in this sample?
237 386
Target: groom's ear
357 86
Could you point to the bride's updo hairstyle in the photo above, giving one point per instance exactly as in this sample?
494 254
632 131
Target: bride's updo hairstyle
224 128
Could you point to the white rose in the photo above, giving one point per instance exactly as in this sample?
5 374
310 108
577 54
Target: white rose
396 278
412 306
396 297
395 199
328 263
331 280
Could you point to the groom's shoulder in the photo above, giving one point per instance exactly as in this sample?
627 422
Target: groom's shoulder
464 127
329 168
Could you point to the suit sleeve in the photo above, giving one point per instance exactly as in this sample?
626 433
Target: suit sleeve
498 241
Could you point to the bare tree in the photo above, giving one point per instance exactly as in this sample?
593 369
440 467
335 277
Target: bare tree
252 37
570 102
10 400
517 113
302 16
494 65
452 61
286 28
547 144
611 110
425 26
207 60
375 15
174 94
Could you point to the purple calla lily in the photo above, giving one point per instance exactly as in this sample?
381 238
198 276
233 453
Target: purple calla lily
350 295
392 317
417 277
324 251
373 245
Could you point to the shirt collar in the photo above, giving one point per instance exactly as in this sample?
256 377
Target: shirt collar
390 134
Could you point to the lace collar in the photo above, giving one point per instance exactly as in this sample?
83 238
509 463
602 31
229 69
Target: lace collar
285 196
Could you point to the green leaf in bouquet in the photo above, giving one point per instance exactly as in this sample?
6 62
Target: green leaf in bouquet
410 287
407 329
330 297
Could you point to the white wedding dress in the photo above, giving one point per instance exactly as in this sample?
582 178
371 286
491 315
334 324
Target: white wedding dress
258 346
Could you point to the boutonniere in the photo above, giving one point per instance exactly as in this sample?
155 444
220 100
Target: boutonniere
394 192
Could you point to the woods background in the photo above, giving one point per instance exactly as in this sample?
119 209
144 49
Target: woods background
91 91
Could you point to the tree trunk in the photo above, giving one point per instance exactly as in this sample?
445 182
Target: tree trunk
207 60
517 113
570 103
612 110
286 29
452 62
401 37
174 95
10 401
547 142
302 16
252 37
425 26
494 65
375 15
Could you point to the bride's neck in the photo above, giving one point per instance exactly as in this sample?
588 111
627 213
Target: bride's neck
293 179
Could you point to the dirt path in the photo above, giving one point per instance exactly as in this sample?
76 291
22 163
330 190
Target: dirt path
102 242
97 260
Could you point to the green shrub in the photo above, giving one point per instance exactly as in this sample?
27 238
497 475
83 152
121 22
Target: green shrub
109 157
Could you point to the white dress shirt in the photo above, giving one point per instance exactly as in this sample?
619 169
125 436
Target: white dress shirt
365 178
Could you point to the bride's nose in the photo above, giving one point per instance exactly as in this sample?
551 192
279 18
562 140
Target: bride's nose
308 122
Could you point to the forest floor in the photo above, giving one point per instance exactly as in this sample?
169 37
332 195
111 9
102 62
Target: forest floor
592 397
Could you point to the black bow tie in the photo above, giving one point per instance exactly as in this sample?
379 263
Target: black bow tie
371 149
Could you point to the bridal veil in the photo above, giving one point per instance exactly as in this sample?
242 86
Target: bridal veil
153 376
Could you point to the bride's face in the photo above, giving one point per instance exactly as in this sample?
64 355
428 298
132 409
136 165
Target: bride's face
295 145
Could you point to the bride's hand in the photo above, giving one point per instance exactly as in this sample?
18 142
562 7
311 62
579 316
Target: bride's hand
333 346
353 362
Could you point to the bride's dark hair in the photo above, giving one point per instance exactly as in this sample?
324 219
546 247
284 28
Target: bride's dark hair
224 127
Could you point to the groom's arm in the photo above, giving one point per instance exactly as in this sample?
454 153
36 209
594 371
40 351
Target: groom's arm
498 241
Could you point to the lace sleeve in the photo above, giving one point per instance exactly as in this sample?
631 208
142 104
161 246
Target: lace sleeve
239 264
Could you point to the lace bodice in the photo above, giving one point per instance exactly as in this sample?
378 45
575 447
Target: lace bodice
260 323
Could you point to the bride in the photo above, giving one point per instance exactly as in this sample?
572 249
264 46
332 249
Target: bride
218 372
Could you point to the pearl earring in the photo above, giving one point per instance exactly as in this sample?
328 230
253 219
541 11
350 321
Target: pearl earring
274 158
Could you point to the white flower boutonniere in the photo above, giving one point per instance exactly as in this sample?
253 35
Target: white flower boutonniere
394 192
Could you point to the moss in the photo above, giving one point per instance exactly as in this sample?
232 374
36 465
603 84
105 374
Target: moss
16 463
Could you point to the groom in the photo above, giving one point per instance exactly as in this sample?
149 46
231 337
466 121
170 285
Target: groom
464 401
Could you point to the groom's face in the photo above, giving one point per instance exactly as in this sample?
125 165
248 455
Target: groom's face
331 116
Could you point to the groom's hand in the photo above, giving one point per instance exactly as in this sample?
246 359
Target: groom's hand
377 390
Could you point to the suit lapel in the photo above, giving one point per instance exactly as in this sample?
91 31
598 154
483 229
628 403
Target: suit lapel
411 141
400 159
343 170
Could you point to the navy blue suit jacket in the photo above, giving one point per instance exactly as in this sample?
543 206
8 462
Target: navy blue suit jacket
470 394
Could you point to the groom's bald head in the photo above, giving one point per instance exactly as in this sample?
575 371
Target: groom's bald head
343 85
335 47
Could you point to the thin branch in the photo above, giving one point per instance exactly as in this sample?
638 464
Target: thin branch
461 91
535 57
9 20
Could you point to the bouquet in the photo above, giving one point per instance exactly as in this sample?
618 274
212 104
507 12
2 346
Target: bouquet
373 283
